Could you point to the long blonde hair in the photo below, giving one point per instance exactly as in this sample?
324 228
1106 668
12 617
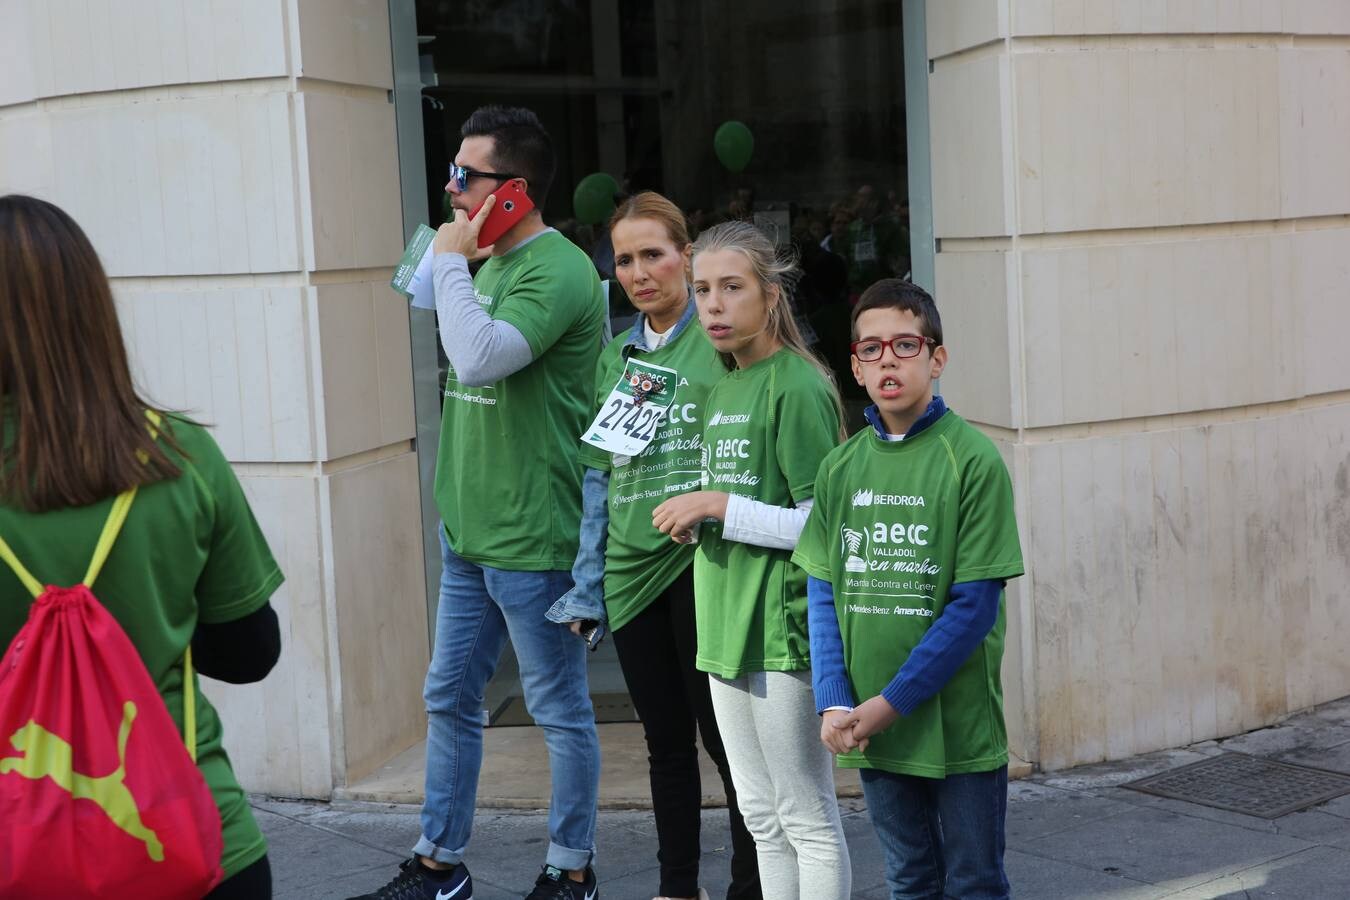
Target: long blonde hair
774 271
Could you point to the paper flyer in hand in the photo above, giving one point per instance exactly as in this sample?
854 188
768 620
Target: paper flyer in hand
413 274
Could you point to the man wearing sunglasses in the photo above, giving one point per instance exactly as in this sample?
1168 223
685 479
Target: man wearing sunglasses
522 337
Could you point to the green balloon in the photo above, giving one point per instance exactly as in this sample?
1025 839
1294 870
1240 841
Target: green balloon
733 144
593 199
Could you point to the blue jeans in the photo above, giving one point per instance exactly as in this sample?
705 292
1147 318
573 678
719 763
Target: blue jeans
480 609
943 837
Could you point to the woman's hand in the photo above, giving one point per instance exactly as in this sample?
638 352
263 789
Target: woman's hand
678 515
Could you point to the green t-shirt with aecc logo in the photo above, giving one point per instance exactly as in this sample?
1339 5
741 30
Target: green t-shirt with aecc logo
641 562
508 483
895 524
767 429
190 551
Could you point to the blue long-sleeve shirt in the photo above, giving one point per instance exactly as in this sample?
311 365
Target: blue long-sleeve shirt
967 618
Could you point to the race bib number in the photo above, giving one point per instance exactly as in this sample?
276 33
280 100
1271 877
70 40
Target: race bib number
634 409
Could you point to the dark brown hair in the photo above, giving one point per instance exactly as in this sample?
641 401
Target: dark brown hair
520 145
79 429
897 293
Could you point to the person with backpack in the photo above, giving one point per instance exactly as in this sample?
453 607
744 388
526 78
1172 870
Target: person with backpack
129 562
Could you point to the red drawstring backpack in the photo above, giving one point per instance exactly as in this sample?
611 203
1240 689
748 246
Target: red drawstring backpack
99 795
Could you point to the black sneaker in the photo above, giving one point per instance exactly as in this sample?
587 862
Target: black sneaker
415 881
553 884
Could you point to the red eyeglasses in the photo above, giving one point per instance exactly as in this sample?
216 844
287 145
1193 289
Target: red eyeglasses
903 346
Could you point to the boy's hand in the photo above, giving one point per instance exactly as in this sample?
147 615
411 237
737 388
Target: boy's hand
678 515
869 718
836 730
460 235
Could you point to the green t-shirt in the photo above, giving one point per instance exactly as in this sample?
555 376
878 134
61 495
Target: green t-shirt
768 428
894 526
190 551
641 562
508 483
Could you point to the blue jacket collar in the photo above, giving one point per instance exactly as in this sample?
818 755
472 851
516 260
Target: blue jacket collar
637 335
935 410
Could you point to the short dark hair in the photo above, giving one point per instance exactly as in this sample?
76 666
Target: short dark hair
520 145
897 293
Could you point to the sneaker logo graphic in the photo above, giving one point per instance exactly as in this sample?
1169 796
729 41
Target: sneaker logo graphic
442 895
48 756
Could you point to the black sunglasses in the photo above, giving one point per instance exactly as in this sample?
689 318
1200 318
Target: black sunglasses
460 175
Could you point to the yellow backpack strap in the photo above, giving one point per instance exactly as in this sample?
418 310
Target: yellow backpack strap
189 705
33 585
116 516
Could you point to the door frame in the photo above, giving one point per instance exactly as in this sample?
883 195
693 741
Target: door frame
412 176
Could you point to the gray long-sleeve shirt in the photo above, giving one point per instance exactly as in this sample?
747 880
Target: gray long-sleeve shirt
481 349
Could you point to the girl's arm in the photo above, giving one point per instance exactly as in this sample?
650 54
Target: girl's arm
763 524
746 521
241 651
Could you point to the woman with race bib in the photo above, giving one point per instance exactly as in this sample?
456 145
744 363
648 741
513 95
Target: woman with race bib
770 422
644 445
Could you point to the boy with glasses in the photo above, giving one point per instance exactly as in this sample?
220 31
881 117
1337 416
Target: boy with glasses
907 549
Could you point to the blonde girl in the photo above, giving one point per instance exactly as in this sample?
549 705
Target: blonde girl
770 422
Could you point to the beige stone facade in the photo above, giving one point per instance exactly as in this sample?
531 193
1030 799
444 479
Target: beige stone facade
235 165
1143 216
1144 268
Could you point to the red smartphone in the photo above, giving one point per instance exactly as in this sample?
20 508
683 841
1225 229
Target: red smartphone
513 204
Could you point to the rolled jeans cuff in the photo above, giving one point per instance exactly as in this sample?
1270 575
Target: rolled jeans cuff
427 850
566 858
574 606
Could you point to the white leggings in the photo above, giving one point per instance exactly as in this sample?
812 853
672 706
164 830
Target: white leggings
785 783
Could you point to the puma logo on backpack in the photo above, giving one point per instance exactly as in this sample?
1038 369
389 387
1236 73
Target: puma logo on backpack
48 756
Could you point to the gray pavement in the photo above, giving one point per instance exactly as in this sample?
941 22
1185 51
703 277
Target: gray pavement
1071 834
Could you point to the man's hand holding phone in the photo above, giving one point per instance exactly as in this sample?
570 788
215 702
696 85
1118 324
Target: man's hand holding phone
460 235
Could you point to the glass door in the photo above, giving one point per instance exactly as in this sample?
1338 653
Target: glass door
788 113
